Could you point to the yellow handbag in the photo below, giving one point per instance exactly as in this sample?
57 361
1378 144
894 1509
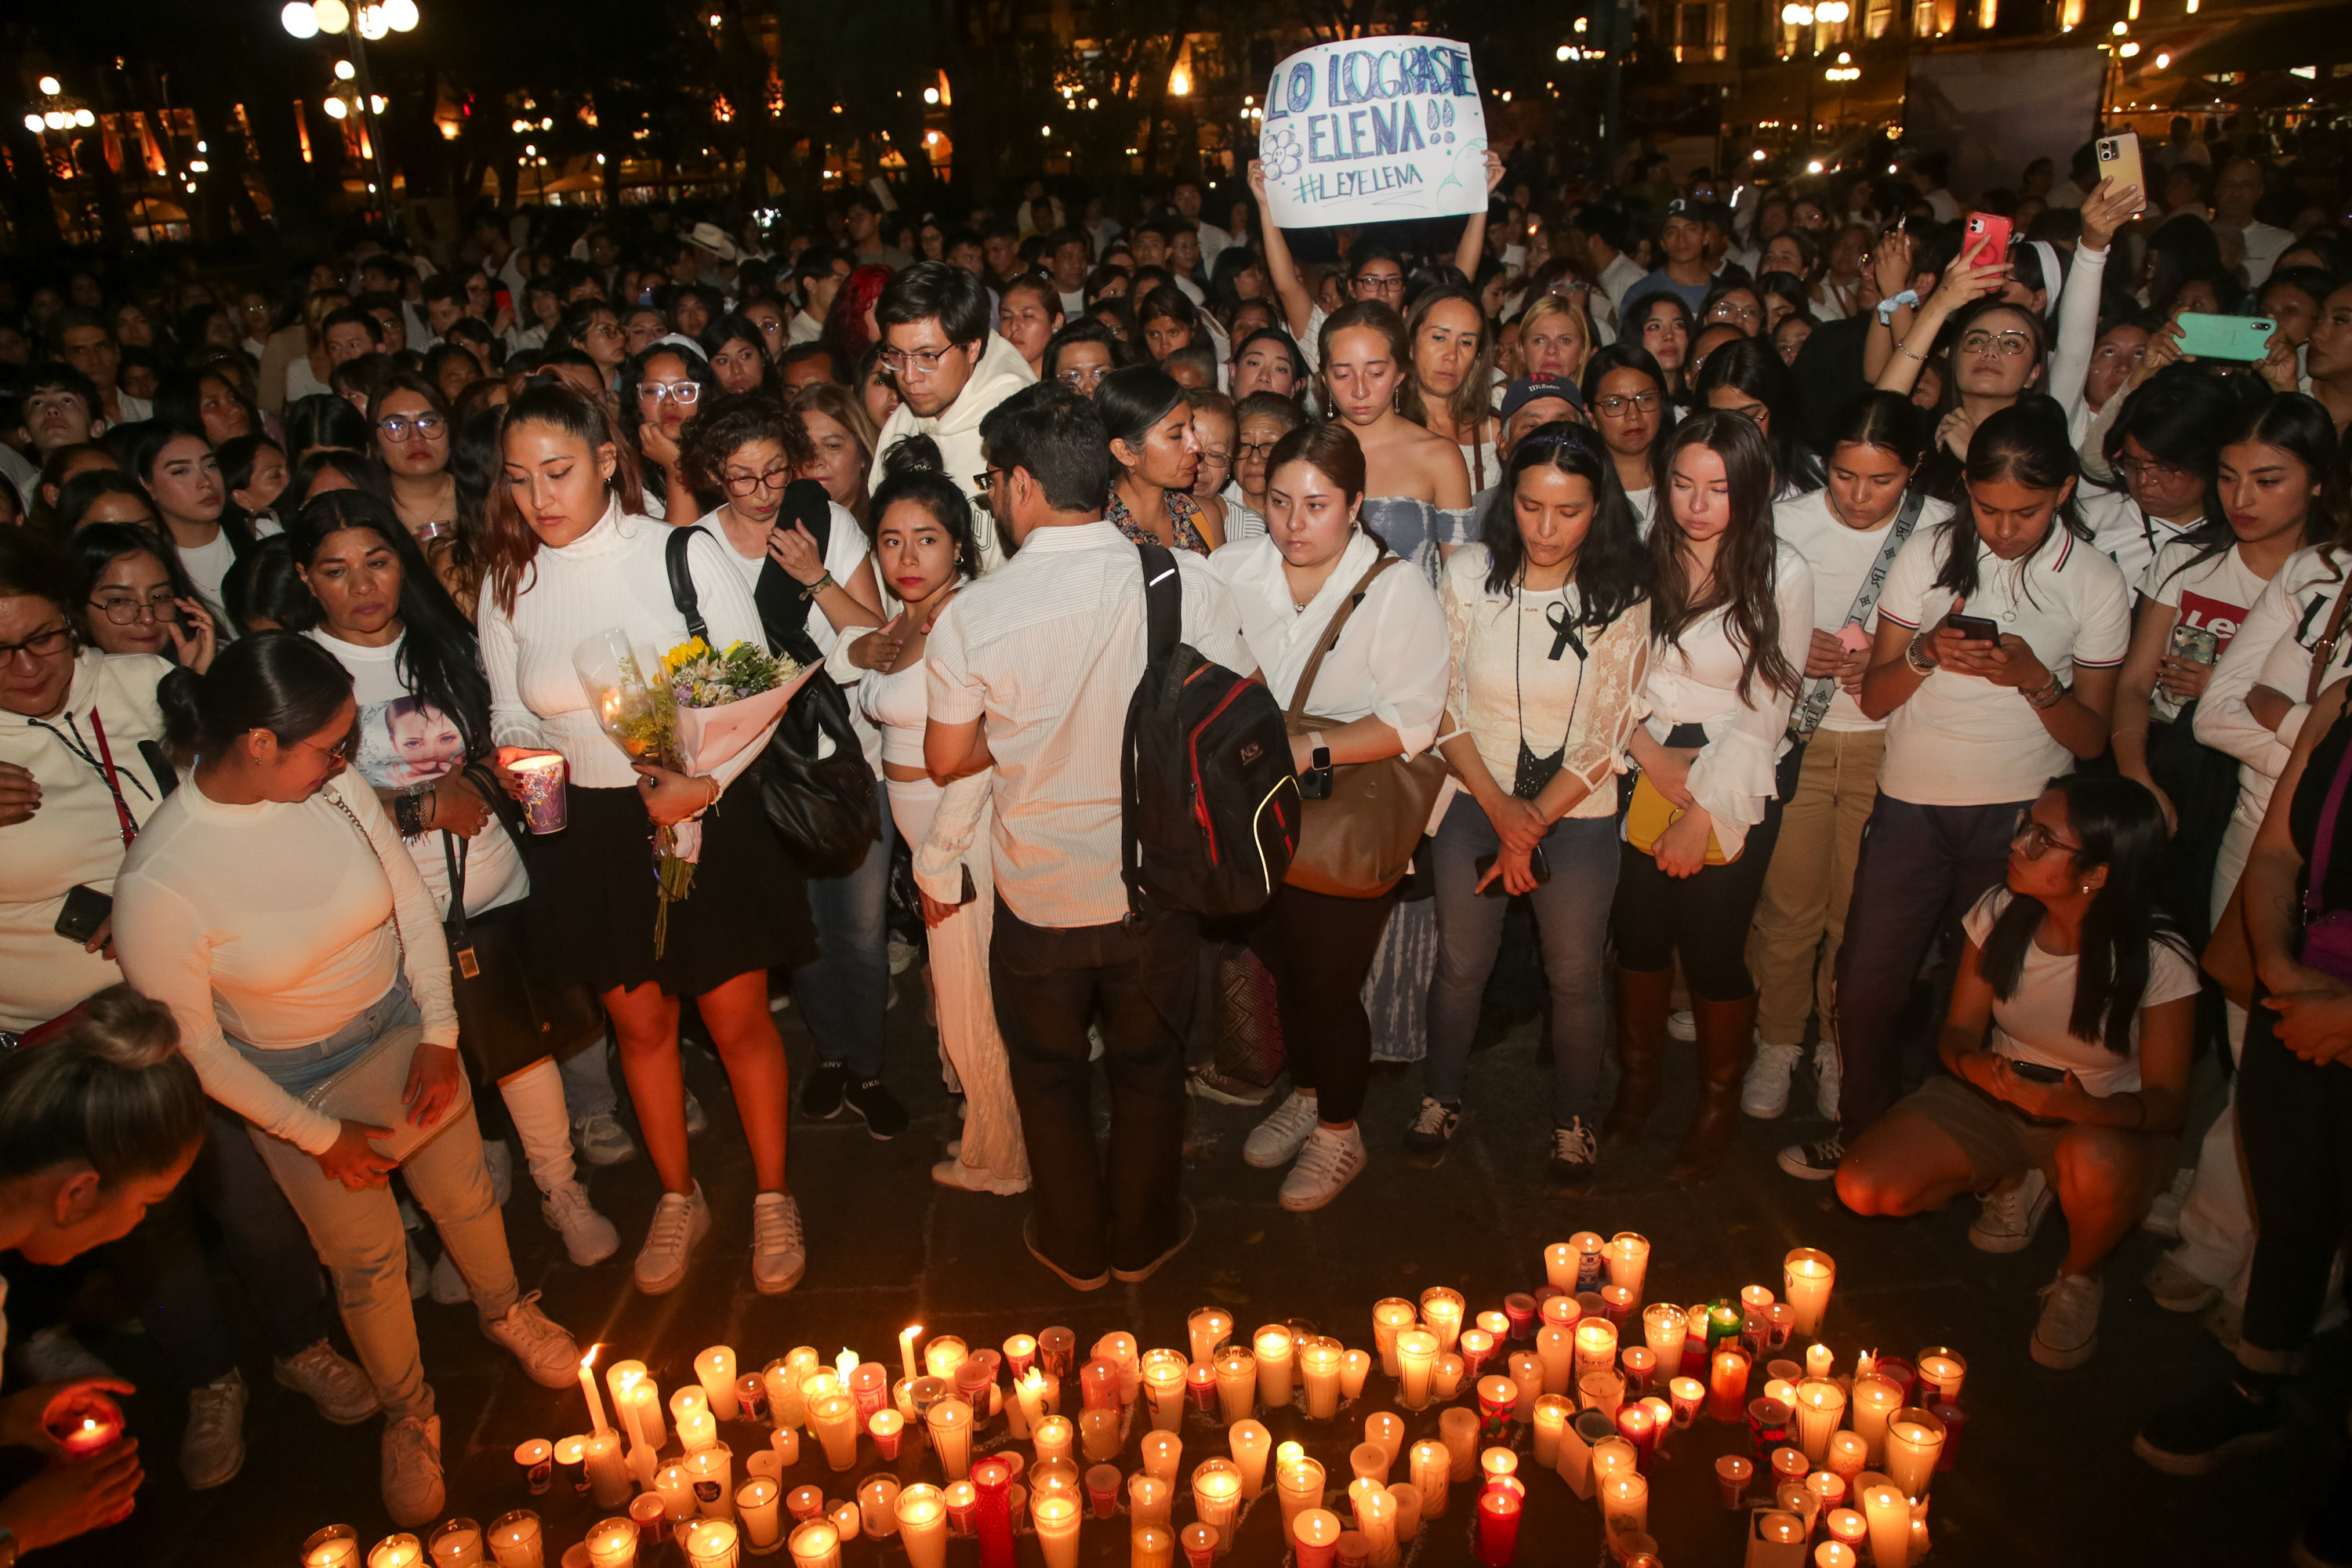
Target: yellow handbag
1650 814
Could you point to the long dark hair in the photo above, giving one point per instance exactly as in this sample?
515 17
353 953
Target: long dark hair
280 681
1752 367
1742 585
736 327
2120 828
97 546
437 659
1471 404
2299 426
510 542
1941 475
625 426
1887 420
1612 568
913 471
1631 356
1134 398
2025 444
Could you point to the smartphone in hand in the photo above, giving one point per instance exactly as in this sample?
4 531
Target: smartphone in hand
2119 160
1994 230
1976 628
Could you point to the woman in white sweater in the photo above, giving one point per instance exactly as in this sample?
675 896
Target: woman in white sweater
571 556
270 903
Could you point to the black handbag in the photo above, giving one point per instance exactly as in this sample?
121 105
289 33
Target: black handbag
822 808
505 1021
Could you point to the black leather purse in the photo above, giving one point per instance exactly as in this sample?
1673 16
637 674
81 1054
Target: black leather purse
822 808
505 1020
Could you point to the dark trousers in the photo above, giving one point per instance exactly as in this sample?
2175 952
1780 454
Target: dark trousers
163 1261
1704 918
1318 949
1920 869
2294 1123
1141 980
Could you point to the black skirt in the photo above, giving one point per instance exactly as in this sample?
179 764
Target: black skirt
594 898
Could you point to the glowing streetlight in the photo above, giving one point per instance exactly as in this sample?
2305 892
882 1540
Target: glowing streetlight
36 124
344 70
1795 15
332 16
1833 12
335 108
400 15
51 87
298 20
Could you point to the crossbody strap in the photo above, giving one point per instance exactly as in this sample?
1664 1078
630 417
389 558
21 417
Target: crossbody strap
391 919
2323 652
681 580
1306 686
1822 690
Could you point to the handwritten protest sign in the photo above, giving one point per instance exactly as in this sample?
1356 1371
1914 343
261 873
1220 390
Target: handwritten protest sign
1373 131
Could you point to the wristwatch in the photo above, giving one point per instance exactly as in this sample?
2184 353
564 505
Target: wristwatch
1318 756
1912 657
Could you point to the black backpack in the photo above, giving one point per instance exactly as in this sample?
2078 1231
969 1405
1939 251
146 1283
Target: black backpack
822 808
1211 803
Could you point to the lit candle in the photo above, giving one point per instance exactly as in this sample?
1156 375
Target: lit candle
695 1429
868 1387
1781 1390
923 1525
1316 1533
1595 1348
1163 1452
517 1540
457 1543
816 1544
889 1429
1207 1329
1020 1354
1835 1554
1779 1538
709 1471
1057 1349
1889 1516
1200 1544
1820 1406
1417 1355
396 1551
1390 1316
713 1543
1914 1440
943 1356
536 1461
1251 1443
613 1544
785 1442
949 1422
760 1503
1807 1274
1458 1429
1640 1365
1828 1489
1874 1399
1098 1384
1530 1375
1732 1473
1217 1498
335 1546
1475 1346
1552 1411
1639 1428
1445 1378
610 1480
1028 1407
1368 1461
1625 1504
1237 1371
1941 1373
1354 1367
906 1338
1431 1470
1627 1259
1819 1360
1727 1385
1275 1352
1664 1328
1441 1314
677 1490
1056 1437
1098 1435
1298 1486
1499 1397
1846 1456
1848 1527
1163 1385
1498 1529
1150 1498
1686 1394
1056 1518
715 1370
835 1418
1565 1310
1376 1519
1590 1263
1318 1368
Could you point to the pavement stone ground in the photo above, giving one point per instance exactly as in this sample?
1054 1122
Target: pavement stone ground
2045 1475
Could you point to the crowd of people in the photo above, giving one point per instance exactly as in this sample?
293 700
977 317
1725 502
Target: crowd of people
1787 591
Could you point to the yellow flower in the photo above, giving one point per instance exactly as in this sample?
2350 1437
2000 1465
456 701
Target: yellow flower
684 653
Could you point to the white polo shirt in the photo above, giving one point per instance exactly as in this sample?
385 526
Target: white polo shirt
1959 739
1841 558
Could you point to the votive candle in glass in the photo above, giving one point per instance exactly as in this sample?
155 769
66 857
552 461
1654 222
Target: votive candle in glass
1497 1397
1409 1515
338 1546
1442 1310
1057 1516
1416 1354
1848 1527
816 1544
1237 1371
991 1507
1298 1486
1445 1378
1552 1411
834 1417
949 1424
716 1543
1217 1498
1208 1328
923 1525
1458 1429
1475 1346
1368 1462
1431 1468
1390 1316
1820 1406
1199 1542
613 1544
1251 1443
1275 1349
1914 1440
1098 1435
878 1507
758 1505
1355 1366
1498 1529
1638 1427
1664 1328
516 1541
715 1370
1531 1376
1560 1266
1625 1505
1376 1519
1150 1499
1627 1260
1686 1394
1316 1534
1888 1513
1056 1437
1845 1456
1942 1370
1807 1274
1163 1388
1162 1453
1057 1349
1732 1473
1874 1399
1727 1385
1150 1545
1318 1368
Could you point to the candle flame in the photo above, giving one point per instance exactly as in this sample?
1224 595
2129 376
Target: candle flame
88 1424
846 1363
589 1359
1034 1381
910 1332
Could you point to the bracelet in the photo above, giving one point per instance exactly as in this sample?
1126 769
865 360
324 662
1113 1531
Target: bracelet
2048 697
819 586
408 815
1906 348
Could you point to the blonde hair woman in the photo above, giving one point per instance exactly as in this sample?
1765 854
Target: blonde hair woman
1555 337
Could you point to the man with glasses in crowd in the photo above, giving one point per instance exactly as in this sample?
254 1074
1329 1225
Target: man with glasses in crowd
950 372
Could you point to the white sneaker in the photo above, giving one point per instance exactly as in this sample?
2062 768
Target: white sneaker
1276 1141
2164 1214
603 1140
1827 1078
500 1157
212 1450
412 1493
954 1173
546 1349
53 1355
1682 1024
779 1252
679 1221
588 1236
2011 1218
1765 1092
1327 1163
2068 1329
332 1381
448 1286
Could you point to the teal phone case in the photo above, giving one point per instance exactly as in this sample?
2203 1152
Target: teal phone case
2225 337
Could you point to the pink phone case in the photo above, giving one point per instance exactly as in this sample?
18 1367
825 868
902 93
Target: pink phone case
1854 638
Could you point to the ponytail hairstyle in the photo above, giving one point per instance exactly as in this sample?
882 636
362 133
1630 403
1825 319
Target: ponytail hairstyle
438 660
115 1094
1752 367
510 544
281 681
2025 444
913 471
1612 568
1131 400
1887 420
2121 829
1746 564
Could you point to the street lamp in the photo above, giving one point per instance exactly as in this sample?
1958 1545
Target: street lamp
376 20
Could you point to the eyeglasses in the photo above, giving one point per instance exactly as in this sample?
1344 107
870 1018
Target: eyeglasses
603 329
1379 283
685 393
2141 471
1085 379
2037 839
1724 311
900 360
124 610
403 426
742 484
1617 407
39 646
343 750
2008 345
1256 448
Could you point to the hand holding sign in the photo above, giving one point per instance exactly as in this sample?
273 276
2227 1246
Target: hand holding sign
1374 129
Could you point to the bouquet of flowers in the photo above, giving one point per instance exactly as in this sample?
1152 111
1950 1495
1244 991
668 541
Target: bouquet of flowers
691 710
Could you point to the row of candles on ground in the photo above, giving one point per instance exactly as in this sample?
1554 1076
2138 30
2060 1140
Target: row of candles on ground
1601 1440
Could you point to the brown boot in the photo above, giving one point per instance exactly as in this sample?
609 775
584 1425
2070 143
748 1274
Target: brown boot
1725 1032
1644 998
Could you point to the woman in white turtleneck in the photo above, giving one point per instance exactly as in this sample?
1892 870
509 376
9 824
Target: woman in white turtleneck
571 555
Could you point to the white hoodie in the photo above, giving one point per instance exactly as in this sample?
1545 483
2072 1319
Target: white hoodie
1001 372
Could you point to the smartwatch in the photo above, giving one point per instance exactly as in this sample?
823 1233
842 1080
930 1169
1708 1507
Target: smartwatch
1319 756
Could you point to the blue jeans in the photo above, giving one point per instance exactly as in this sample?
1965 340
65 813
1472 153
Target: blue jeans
1571 914
843 992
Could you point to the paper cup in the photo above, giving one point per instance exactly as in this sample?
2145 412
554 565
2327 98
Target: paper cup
543 804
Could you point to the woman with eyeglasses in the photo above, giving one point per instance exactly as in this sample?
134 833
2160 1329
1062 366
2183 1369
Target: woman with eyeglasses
1739 305
1261 420
136 598
1630 405
411 427
593 328
2165 444
1158 449
270 903
660 392
571 553
1975 725
2066 1052
1082 353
